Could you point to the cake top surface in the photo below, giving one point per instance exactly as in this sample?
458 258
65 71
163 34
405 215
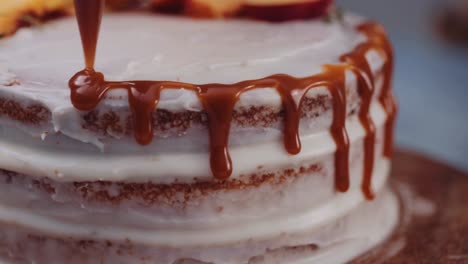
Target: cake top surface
150 47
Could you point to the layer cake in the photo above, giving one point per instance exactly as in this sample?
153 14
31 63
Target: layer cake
237 141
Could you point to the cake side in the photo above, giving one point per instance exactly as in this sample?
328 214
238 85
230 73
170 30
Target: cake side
194 210
348 235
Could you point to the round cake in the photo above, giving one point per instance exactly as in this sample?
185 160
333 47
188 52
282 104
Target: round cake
236 141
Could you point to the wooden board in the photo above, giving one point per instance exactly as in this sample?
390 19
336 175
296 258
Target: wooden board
434 223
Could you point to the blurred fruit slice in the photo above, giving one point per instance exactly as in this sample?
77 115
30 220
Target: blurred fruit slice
18 13
212 8
283 10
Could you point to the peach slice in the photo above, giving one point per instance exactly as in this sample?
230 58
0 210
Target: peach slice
14 12
282 10
212 8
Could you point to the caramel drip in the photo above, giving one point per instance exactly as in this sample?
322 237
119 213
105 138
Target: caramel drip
378 40
359 65
89 14
218 102
88 89
367 90
361 68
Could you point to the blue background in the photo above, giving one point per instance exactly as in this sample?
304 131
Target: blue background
431 78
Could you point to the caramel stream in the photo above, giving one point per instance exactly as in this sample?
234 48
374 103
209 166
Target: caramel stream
89 87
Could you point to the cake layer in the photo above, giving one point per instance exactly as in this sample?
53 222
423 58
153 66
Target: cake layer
169 209
74 162
337 240
34 95
182 230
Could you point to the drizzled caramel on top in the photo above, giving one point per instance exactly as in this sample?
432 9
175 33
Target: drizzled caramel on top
88 88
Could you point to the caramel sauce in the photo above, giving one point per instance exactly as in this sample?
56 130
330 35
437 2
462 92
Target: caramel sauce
377 40
88 88
88 15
